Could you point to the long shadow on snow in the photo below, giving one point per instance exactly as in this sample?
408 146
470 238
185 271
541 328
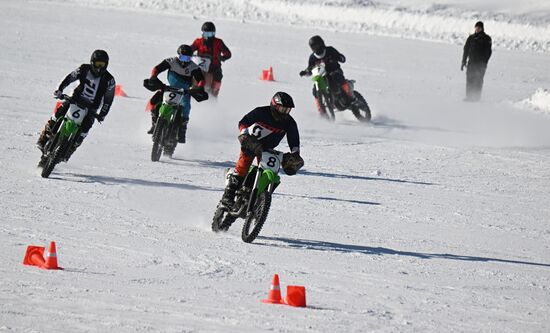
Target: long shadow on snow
329 199
346 248
106 180
230 164
337 175
206 163
389 124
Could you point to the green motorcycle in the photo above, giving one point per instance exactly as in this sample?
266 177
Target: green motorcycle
329 102
61 140
170 113
253 199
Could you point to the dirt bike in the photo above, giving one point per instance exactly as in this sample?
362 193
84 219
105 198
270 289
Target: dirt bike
62 137
253 199
330 102
165 134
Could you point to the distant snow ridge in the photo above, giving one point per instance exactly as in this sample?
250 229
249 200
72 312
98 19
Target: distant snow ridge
539 101
417 20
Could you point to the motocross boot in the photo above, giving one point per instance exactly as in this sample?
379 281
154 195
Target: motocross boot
228 199
182 130
348 94
216 85
47 131
154 117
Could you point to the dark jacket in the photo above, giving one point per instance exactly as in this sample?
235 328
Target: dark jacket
91 90
477 49
269 132
331 59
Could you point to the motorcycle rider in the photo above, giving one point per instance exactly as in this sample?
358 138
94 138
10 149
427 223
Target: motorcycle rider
181 72
209 46
261 129
331 58
96 88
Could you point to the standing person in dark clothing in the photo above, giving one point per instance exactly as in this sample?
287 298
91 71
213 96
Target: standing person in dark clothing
96 91
477 52
261 129
213 52
331 58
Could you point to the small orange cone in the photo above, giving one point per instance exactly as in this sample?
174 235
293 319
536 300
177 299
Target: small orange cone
270 74
274 296
263 77
119 91
34 256
51 257
296 296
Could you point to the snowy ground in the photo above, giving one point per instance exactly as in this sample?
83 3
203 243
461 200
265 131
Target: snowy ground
433 218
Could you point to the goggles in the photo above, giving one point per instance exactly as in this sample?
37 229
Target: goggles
208 34
184 58
99 64
283 109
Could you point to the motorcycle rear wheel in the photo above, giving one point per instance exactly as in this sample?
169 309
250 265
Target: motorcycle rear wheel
256 218
361 111
222 220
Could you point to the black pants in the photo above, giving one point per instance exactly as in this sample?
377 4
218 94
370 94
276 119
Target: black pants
474 81
216 72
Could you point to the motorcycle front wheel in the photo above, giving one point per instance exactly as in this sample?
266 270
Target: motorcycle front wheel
256 218
54 157
158 135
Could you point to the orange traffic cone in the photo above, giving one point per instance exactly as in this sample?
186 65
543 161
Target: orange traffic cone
274 296
270 74
51 257
296 296
263 77
34 256
119 91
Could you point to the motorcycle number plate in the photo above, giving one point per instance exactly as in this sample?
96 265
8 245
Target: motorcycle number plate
318 70
172 97
203 63
76 114
271 161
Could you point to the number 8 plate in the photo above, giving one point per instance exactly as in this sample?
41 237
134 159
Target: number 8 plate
271 161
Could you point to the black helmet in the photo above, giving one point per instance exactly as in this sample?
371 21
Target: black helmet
317 44
281 105
184 53
185 49
208 26
99 62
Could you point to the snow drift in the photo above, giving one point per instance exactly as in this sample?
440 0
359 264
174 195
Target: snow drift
525 27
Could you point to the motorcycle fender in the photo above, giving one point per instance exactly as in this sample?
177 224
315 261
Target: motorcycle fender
321 83
69 127
166 111
267 177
